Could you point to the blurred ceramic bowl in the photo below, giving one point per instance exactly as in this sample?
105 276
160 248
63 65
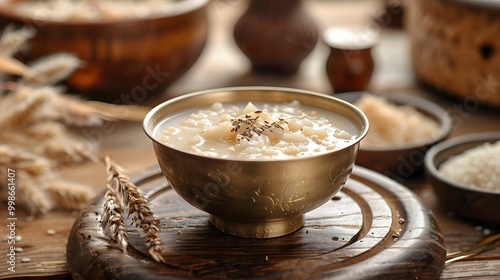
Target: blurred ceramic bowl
127 59
256 198
404 161
475 204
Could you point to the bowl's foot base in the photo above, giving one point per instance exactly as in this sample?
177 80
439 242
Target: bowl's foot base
258 229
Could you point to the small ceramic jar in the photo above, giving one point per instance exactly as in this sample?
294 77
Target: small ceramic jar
350 64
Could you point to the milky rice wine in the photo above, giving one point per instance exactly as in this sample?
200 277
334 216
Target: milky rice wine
256 131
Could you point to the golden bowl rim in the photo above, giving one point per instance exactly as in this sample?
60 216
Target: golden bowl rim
364 126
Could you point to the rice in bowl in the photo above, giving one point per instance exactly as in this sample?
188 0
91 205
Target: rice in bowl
478 167
393 125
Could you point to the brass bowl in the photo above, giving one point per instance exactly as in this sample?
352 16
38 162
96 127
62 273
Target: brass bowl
477 205
256 198
126 60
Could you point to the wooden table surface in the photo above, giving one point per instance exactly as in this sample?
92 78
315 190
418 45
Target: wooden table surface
221 65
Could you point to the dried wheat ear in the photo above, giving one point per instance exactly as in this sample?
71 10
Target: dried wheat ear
122 197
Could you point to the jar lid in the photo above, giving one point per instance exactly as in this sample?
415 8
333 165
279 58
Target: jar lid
351 37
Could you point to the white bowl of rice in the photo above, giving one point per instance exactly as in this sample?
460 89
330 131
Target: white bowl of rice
464 172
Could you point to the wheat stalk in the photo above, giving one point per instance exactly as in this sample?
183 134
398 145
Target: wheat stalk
9 65
31 194
38 185
52 141
67 148
35 138
25 111
112 218
12 40
68 195
14 157
73 110
143 218
133 113
137 207
62 107
51 69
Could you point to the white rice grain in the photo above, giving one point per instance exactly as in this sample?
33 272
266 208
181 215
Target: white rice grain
478 167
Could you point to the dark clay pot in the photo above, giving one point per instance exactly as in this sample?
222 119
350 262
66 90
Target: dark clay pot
276 35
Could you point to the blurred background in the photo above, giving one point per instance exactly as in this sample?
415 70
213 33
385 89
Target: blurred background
194 44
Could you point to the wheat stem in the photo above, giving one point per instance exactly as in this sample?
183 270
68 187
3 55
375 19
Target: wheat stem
12 40
137 207
112 218
9 65
51 69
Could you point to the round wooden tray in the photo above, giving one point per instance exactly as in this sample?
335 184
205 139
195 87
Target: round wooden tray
374 228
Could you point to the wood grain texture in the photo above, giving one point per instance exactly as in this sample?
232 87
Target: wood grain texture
42 249
374 228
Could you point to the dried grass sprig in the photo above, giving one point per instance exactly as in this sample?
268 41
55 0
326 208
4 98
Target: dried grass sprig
13 40
137 207
51 69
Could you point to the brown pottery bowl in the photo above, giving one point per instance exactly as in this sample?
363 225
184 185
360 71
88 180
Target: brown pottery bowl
127 59
478 205
256 198
408 160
